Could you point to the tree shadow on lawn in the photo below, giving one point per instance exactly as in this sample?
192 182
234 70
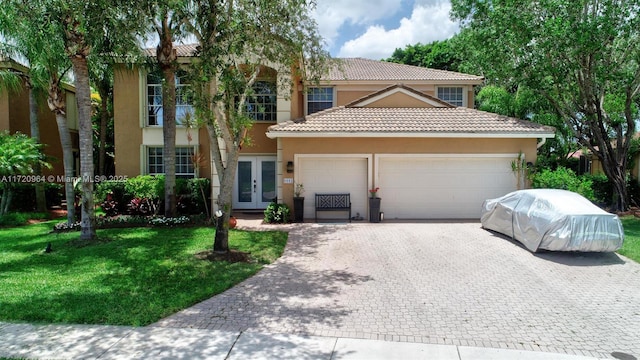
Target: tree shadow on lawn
285 297
570 258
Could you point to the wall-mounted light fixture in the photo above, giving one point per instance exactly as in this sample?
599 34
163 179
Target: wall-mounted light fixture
289 166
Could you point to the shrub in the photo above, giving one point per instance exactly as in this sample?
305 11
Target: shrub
23 196
277 213
119 198
19 218
563 178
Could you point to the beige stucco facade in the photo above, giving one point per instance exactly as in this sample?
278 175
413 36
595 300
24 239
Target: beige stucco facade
132 135
293 147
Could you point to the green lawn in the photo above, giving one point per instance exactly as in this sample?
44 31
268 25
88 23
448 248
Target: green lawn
631 246
132 277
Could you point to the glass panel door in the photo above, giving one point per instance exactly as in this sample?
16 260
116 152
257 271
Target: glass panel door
267 182
255 185
244 190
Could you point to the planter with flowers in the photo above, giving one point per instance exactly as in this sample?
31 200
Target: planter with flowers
374 205
298 203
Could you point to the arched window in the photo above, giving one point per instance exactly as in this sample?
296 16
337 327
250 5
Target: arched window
262 104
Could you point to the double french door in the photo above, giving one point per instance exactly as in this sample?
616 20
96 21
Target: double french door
255 185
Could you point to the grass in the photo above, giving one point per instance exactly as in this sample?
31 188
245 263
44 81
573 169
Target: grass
631 246
131 277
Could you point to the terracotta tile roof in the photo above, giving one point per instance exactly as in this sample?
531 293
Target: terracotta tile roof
366 69
182 50
421 121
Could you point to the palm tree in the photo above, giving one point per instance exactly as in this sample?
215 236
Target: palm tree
33 40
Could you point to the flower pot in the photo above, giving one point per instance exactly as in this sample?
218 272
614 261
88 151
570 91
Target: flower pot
374 210
232 223
298 209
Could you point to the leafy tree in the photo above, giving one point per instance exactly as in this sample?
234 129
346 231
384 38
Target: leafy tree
441 55
19 155
583 57
237 39
82 26
31 38
524 103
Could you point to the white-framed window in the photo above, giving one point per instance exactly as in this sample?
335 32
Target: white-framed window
319 98
184 161
454 95
184 104
262 105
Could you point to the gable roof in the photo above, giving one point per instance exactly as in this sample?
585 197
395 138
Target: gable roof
399 88
182 50
366 69
440 120
409 122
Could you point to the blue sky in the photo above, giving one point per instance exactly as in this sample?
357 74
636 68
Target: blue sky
374 28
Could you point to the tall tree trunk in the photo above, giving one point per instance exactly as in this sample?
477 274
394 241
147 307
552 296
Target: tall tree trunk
58 105
41 202
169 139
83 96
104 119
166 55
67 157
226 176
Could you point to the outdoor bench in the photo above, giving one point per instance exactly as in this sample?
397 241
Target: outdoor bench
333 202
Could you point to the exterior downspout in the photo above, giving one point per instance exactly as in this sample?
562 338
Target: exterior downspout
542 142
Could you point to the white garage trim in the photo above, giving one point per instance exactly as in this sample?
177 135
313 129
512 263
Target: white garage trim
441 186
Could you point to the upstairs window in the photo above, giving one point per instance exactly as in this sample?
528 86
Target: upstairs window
319 98
262 105
184 104
452 95
184 163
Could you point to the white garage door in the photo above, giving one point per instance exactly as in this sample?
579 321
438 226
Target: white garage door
423 187
334 175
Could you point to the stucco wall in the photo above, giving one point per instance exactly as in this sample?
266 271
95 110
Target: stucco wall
4 110
126 112
292 146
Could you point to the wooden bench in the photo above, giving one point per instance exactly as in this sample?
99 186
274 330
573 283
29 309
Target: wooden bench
333 202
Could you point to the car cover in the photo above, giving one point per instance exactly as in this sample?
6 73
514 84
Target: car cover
551 219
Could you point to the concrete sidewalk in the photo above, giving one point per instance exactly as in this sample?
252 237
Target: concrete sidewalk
120 342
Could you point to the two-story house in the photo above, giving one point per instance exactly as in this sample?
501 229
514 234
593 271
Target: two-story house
408 130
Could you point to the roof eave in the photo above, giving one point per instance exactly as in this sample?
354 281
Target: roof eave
273 134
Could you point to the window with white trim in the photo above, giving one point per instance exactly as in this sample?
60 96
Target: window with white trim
184 104
319 98
184 161
452 95
262 105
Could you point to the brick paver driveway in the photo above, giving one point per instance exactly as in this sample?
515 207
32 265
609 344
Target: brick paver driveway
447 283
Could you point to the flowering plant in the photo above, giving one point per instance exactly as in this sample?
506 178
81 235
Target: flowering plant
374 192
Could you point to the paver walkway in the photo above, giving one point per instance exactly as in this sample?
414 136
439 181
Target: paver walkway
438 283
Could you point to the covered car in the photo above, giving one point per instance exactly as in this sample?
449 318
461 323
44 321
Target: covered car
551 219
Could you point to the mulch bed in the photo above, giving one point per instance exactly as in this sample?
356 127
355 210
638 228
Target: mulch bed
232 256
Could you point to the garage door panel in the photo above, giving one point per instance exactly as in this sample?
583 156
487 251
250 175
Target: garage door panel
334 175
423 187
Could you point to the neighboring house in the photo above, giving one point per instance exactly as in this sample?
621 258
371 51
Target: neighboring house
14 117
408 130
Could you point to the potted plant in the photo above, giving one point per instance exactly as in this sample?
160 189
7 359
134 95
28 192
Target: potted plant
374 205
298 202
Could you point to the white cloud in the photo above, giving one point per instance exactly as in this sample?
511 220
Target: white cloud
429 22
331 15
